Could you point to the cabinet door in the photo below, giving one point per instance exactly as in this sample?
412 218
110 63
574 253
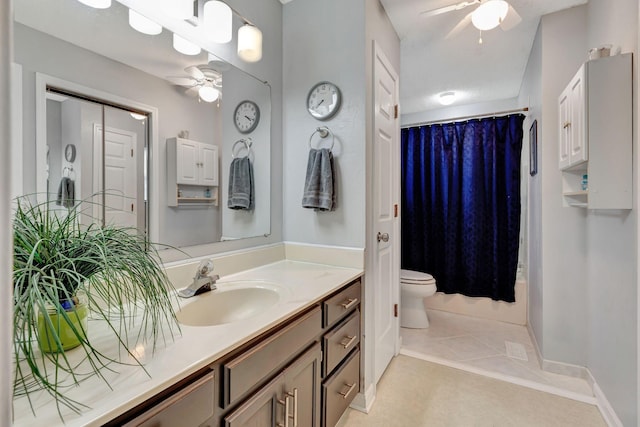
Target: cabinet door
302 388
187 160
261 410
565 129
578 112
208 165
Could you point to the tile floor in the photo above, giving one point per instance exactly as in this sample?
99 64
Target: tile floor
478 345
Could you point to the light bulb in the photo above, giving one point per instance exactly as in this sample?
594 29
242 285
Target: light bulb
208 93
138 116
185 46
489 14
249 43
218 21
179 9
98 4
143 24
447 98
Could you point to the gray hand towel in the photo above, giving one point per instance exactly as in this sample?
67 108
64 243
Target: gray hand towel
66 193
319 187
241 187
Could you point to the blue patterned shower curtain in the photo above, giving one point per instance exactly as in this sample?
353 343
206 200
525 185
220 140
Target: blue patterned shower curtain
461 204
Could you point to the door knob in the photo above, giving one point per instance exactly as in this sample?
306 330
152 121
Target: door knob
383 237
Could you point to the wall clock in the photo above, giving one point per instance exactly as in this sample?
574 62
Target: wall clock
246 116
70 152
324 100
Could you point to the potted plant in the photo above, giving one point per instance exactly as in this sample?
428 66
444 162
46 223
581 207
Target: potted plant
64 271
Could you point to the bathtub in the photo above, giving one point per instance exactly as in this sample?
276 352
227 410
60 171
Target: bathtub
485 308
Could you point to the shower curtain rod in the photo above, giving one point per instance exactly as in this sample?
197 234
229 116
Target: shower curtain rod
461 118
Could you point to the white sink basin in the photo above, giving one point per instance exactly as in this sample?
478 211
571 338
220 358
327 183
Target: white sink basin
230 302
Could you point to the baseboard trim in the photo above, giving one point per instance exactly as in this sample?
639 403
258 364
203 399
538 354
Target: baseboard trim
606 410
502 377
601 401
363 402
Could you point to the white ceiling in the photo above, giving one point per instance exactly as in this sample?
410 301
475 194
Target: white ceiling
431 64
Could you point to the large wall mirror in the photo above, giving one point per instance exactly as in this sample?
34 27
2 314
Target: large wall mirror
109 110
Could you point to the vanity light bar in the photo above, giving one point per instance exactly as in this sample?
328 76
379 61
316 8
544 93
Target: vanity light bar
143 24
185 46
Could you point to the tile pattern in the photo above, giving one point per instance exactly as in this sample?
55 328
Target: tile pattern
480 345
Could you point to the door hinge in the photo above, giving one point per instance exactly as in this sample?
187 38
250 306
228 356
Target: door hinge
132 152
395 310
131 207
395 111
395 210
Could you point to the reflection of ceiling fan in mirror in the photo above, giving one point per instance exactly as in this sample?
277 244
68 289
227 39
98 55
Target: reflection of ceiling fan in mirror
486 16
201 80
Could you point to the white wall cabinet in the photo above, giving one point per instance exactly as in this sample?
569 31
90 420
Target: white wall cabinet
595 135
192 172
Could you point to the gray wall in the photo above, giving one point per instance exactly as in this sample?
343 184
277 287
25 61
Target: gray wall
582 265
325 41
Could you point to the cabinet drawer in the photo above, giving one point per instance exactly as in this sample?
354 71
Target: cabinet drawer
339 305
340 389
247 370
339 342
190 407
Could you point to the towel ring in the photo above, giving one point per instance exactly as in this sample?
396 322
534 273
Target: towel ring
67 171
247 143
323 131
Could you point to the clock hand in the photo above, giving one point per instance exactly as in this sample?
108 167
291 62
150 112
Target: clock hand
249 118
320 102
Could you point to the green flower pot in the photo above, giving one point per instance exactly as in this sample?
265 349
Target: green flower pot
61 328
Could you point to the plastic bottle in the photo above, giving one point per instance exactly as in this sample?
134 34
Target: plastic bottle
585 182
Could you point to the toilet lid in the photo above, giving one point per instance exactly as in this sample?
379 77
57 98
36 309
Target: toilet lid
416 277
418 282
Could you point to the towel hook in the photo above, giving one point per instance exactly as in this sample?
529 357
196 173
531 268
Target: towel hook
323 131
247 143
67 171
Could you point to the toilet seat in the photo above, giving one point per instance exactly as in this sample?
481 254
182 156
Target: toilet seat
416 277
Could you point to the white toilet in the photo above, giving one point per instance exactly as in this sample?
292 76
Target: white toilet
414 288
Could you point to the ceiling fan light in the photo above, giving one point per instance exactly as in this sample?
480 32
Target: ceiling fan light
179 9
184 46
447 98
143 24
98 4
489 14
217 21
249 43
208 93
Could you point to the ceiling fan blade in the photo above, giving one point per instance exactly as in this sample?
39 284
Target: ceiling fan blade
464 23
193 90
181 80
441 10
511 20
195 72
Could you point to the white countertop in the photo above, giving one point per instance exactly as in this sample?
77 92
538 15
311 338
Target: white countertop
195 348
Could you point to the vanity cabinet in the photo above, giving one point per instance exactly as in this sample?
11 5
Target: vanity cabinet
192 168
303 372
595 135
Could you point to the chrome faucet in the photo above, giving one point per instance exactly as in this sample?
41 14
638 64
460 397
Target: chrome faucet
202 282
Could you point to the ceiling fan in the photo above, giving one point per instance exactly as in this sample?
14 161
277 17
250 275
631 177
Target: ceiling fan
486 16
202 80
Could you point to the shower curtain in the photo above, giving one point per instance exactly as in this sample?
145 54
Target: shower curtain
461 204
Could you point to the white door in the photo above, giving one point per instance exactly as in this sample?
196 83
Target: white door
187 158
579 152
386 241
120 183
208 164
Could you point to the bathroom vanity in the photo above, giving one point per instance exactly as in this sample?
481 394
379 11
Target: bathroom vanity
295 364
305 371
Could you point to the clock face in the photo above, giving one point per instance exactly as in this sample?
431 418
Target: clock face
246 116
70 152
323 100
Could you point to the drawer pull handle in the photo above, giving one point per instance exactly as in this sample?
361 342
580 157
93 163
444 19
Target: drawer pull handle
348 392
295 406
349 340
349 303
285 403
